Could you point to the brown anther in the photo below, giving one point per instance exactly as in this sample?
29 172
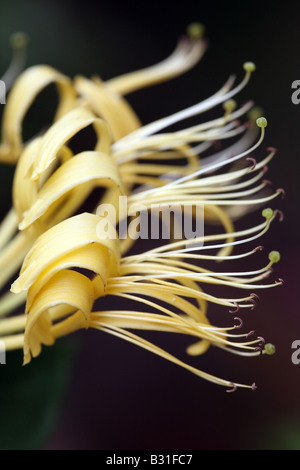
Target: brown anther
253 161
262 340
279 281
255 297
282 191
259 248
258 348
251 333
271 149
280 213
233 389
267 182
265 169
240 325
254 387
237 308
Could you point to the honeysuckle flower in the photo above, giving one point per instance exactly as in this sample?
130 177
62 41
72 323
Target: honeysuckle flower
68 265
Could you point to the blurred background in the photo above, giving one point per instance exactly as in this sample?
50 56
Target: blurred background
94 391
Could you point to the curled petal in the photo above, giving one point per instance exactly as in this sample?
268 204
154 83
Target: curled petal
73 233
85 171
27 87
62 131
109 105
66 287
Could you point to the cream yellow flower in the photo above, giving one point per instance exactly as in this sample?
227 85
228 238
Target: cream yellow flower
90 100
67 267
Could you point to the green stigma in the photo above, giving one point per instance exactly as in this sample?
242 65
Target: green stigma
249 67
269 349
267 213
261 122
18 40
274 256
229 106
195 30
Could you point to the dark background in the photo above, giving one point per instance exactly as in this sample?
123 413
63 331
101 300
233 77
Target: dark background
114 395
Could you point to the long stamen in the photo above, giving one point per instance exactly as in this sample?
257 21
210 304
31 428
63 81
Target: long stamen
150 347
261 123
19 45
259 231
220 97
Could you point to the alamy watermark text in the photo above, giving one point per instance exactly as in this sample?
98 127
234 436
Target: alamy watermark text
159 221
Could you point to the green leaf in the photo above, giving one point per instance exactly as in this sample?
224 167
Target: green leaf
31 396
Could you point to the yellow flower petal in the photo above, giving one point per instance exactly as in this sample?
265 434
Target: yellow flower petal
26 89
94 258
106 103
66 287
62 131
73 233
94 168
25 190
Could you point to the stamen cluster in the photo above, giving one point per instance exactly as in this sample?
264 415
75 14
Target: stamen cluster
65 267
